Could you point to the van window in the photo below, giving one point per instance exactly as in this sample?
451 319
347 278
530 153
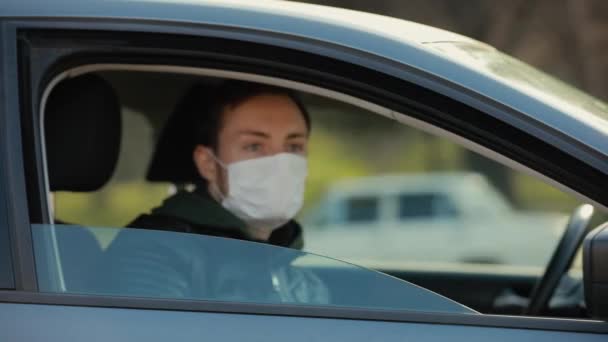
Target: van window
425 206
362 209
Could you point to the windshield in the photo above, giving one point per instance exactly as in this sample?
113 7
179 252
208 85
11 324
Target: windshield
164 264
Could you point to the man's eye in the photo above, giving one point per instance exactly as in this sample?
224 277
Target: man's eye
295 148
253 147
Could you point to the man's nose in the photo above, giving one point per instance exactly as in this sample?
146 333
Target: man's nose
276 148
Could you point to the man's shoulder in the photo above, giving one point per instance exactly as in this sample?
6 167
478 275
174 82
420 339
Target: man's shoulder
199 214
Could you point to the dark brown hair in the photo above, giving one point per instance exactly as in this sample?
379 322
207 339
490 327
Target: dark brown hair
211 106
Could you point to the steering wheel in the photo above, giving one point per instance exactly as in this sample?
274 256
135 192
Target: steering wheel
561 260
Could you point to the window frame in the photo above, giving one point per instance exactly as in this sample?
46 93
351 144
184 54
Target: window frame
7 280
375 67
13 202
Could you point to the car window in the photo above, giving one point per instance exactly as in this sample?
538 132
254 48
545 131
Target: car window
442 204
405 203
504 216
160 264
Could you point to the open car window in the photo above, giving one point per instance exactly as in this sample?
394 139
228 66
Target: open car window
395 199
160 264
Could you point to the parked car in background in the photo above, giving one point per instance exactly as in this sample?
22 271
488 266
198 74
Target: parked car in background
394 218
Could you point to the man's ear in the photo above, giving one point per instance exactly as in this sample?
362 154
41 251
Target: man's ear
204 162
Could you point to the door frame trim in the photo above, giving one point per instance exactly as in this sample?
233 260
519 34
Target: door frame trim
515 322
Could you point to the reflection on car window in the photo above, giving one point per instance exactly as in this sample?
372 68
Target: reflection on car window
161 264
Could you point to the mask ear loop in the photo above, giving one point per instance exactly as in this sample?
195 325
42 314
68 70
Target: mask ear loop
224 166
214 187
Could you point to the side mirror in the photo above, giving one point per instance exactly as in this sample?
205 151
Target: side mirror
595 272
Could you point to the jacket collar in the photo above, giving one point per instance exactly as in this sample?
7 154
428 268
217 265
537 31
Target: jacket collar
199 208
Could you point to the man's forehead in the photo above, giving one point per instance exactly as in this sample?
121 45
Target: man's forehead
264 134
265 113
265 103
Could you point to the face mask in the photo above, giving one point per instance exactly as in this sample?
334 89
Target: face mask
266 192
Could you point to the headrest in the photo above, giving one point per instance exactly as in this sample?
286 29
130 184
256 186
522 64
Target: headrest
172 159
82 130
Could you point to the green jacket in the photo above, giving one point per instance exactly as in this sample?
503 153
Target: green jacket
197 212
153 264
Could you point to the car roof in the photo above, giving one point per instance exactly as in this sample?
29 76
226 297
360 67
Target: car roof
284 16
457 59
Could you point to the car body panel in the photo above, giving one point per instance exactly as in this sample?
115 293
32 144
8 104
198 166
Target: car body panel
58 323
460 61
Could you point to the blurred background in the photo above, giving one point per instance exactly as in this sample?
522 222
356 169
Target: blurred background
565 38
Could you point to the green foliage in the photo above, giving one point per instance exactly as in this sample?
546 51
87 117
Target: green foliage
330 160
114 206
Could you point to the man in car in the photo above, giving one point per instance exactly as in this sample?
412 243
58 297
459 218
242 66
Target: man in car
250 154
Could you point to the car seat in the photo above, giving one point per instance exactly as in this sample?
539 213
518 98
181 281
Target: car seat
158 263
82 127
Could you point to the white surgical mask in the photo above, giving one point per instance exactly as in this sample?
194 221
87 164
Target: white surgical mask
266 192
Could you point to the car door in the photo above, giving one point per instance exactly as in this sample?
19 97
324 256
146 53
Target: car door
41 50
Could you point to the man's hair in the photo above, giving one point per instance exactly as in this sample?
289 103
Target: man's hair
230 94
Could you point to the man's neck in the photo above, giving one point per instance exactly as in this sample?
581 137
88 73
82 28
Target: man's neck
254 233
215 192
259 234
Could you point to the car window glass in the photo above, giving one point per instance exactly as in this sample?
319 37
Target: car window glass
159 264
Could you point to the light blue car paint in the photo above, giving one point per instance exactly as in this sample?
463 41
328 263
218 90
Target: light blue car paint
24 322
418 52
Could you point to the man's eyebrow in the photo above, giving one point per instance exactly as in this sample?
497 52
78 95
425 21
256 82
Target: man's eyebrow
297 135
256 133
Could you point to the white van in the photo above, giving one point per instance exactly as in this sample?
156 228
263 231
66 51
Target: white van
431 217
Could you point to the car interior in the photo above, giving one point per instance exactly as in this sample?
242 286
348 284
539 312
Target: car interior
82 135
84 123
